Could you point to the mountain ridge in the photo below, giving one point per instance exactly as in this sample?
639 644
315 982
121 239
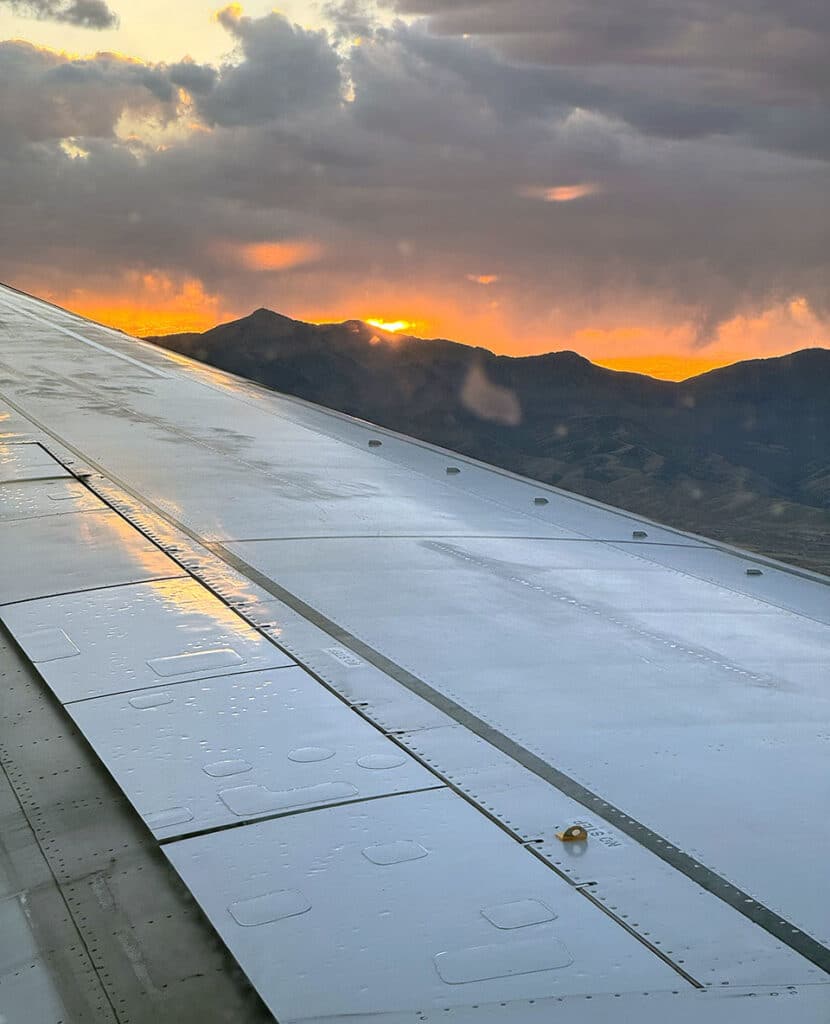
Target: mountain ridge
740 453
265 315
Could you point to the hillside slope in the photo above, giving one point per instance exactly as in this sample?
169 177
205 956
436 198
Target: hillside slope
741 453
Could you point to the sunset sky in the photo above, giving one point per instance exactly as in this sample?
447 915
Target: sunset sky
644 183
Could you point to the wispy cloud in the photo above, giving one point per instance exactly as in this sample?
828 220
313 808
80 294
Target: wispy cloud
273 256
558 193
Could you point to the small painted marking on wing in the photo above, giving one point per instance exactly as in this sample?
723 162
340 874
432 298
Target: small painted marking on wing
344 656
600 835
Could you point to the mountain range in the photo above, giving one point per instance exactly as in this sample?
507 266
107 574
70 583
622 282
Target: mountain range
741 454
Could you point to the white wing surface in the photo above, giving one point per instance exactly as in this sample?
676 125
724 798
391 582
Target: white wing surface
355 686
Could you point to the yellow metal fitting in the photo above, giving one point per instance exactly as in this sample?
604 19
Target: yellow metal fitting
572 834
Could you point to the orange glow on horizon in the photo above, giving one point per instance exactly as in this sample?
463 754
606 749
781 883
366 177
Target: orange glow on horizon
669 367
630 338
145 304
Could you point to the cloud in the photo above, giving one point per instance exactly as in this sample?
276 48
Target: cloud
785 41
558 193
48 95
84 13
270 256
198 79
752 67
284 70
403 166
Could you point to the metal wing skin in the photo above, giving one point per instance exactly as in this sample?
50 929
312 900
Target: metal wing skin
416 738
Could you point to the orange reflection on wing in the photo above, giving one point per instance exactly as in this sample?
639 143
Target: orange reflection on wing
96 531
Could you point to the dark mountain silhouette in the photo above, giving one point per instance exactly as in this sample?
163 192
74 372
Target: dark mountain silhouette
741 453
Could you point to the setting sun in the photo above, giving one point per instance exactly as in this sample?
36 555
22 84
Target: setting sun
392 326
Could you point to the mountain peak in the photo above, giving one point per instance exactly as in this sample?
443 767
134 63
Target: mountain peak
263 314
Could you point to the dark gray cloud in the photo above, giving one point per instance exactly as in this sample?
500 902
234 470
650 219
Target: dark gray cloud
47 96
412 162
198 79
351 19
85 13
683 68
284 70
784 41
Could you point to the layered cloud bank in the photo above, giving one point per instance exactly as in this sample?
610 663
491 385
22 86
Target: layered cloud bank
628 182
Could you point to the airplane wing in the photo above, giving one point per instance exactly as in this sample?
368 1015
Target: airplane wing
417 739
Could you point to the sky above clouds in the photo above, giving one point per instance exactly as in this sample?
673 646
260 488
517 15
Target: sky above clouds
646 184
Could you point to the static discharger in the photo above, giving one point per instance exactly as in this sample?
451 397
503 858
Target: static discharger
572 834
